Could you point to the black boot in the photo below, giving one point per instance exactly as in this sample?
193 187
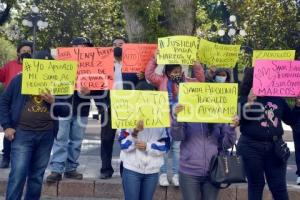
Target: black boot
105 175
54 177
73 175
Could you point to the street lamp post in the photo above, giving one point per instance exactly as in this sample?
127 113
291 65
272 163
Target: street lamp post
35 19
227 33
4 12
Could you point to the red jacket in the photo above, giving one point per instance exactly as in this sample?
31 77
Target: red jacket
9 71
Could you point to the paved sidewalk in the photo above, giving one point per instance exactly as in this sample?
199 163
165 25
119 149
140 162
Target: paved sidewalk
94 188
67 198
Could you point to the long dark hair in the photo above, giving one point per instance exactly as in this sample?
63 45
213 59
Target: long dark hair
169 68
247 82
228 74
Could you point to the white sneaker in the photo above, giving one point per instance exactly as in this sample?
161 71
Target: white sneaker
175 180
298 180
163 180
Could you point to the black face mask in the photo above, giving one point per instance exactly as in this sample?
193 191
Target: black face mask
118 52
25 55
176 79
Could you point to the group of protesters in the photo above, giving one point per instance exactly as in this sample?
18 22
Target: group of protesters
32 134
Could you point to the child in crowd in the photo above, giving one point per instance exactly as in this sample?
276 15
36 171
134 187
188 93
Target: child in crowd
142 154
169 81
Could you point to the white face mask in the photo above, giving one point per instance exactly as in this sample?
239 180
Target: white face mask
220 79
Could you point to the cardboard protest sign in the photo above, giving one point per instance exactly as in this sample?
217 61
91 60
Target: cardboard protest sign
177 50
130 106
136 57
273 55
276 78
220 55
208 102
95 66
57 76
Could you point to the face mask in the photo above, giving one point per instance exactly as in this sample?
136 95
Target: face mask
177 79
118 52
220 79
25 55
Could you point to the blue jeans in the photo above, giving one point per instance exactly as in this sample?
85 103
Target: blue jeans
67 146
175 147
138 186
30 153
260 163
197 187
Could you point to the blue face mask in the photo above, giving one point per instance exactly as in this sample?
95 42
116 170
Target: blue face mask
220 79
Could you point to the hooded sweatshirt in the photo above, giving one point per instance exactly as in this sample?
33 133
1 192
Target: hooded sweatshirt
199 144
144 162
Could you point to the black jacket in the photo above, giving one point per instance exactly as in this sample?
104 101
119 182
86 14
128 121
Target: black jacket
263 119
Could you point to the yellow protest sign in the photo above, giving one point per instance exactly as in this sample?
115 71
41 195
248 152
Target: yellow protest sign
130 106
220 55
208 102
57 76
177 50
273 55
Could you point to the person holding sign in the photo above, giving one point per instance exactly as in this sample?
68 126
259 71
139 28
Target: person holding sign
29 122
172 74
67 145
296 138
221 75
261 145
7 73
169 81
199 143
142 154
126 81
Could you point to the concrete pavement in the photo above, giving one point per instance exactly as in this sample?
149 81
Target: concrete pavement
92 187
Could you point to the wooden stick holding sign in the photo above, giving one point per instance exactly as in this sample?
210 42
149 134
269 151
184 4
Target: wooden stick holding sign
208 102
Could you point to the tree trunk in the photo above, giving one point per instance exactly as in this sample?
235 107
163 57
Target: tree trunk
180 16
135 24
4 15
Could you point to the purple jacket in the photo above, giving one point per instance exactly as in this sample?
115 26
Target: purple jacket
199 145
